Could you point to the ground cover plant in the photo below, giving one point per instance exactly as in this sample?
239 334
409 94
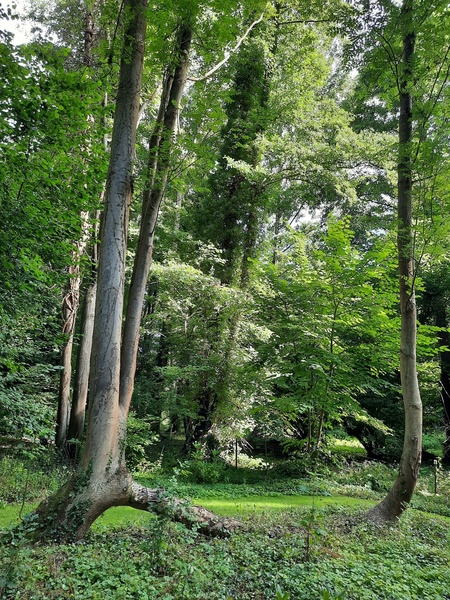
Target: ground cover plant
230 218
301 538
309 553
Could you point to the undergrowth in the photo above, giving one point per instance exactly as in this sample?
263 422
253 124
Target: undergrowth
298 554
31 474
314 553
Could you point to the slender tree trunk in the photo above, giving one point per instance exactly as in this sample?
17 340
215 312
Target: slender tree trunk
71 301
309 442
81 380
320 429
158 171
401 493
102 479
69 309
276 234
81 383
89 29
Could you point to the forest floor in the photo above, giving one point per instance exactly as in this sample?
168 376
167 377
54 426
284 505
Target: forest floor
302 538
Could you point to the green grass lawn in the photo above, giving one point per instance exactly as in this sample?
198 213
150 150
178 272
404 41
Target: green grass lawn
238 506
260 504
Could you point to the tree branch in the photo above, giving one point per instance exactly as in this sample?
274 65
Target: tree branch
228 53
306 22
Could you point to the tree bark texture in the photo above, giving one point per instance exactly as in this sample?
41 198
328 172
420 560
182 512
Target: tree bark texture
104 443
102 479
60 518
83 366
401 493
81 383
70 306
71 301
89 32
158 170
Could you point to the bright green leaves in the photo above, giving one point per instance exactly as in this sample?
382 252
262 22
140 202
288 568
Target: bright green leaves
193 350
331 310
52 169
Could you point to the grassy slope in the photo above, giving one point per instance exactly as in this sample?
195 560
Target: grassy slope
308 552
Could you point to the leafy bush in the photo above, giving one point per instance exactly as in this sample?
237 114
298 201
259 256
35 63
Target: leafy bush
139 439
203 469
31 473
433 442
25 409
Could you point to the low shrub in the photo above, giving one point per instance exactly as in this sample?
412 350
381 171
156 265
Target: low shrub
31 473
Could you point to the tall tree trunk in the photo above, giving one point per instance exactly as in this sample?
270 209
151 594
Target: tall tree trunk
102 479
81 383
232 214
89 30
157 174
71 301
401 493
69 309
82 372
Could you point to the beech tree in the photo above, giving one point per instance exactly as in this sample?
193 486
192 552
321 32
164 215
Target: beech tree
102 480
401 492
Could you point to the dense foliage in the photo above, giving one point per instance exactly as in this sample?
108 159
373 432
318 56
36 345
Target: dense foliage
310 546
274 143
272 304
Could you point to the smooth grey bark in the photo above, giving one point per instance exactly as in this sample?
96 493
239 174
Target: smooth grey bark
401 492
161 145
65 422
81 382
103 438
70 306
82 371
102 479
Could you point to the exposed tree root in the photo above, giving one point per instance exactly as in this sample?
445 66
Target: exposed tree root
206 522
389 510
381 517
67 515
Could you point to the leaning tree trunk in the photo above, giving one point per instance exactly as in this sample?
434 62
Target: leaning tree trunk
401 493
158 170
102 479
